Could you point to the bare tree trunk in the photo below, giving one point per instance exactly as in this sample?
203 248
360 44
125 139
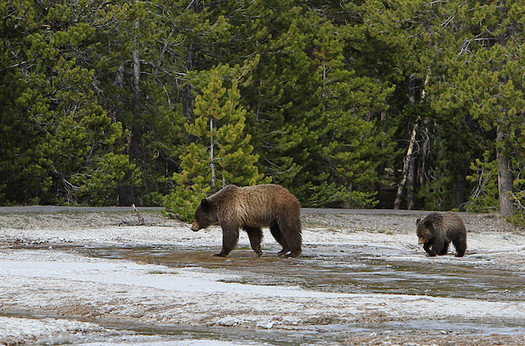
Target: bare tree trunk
416 93
212 162
406 167
411 183
126 190
136 70
187 97
506 208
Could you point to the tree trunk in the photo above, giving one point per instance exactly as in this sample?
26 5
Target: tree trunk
411 184
212 159
406 167
459 196
126 190
136 71
187 97
506 208
416 93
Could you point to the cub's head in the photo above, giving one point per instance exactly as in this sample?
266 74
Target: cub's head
205 215
424 232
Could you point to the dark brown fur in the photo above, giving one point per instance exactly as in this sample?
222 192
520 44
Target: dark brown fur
253 208
437 230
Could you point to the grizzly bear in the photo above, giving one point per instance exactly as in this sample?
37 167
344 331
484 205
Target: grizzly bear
437 230
252 208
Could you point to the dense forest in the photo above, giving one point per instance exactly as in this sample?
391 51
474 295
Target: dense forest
393 104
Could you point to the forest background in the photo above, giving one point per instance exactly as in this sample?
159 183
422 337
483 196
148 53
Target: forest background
394 104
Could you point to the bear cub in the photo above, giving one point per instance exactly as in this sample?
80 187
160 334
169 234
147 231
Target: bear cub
252 208
437 230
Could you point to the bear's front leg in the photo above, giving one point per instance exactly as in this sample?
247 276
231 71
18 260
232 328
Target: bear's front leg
430 251
277 234
438 246
444 250
230 237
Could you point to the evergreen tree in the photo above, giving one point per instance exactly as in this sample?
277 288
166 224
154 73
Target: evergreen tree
191 185
308 109
137 63
484 78
105 102
59 145
223 153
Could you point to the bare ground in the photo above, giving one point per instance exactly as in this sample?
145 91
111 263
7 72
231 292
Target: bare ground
109 278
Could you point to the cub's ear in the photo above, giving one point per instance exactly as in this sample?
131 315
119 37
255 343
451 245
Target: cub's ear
205 204
418 221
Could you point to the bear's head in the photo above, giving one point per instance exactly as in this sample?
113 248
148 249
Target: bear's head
205 215
424 232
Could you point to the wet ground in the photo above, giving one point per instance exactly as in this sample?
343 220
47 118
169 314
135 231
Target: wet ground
137 285
356 269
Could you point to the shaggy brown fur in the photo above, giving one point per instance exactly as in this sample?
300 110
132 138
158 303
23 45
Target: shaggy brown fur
436 231
252 208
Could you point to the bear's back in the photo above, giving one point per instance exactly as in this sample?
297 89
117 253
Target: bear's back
267 196
444 222
258 205
453 223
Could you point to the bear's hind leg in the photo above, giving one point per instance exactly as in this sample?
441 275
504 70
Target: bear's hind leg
278 235
255 235
461 247
230 237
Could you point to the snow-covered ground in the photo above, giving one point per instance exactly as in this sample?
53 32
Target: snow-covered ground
56 287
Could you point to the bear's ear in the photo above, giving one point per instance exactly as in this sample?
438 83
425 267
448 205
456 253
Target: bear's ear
205 204
418 221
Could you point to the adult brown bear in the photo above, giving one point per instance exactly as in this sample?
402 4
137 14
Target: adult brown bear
252 208
437 230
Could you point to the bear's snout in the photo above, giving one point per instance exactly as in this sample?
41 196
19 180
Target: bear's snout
421 241
195 226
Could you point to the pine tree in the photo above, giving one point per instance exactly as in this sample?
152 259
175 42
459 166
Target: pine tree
484 78
223 153
191 185
62 147
220 121
311 127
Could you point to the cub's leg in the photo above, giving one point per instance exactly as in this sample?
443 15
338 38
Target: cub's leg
427 246
437 247
461 246
444 251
